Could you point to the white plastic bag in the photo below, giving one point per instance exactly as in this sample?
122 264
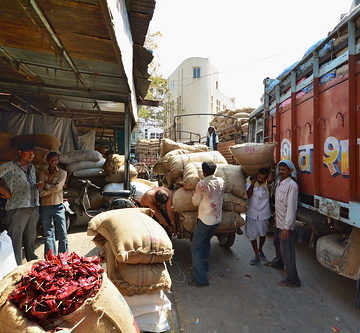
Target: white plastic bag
8 261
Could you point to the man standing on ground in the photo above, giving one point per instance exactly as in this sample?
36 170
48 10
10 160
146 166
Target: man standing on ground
52 209
209 197
159 199
22 211
258 213
286 200
212 139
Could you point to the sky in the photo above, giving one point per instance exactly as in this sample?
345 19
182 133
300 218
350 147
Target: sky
246 40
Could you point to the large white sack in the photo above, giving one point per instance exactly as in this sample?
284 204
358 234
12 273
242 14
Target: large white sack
89 173
80 155
82 165
254 156
168 145
234 179
8 261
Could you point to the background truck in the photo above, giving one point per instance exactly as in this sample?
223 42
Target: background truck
312 110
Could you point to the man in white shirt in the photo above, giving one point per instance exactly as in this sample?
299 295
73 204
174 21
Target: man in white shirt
209 197
286 200
258 213
212 139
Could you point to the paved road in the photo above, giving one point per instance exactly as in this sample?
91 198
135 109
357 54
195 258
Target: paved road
246 299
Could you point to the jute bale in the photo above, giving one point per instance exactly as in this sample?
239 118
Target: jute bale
40 155
38 140
230 221
5 140
178 162
113 163
146 182
134 236
106 312
234 179
182 201
234 204
82 165
119 176
254 156
162 167
86 173
80 155
169 145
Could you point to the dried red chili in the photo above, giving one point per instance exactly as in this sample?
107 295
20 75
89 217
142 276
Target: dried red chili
57 286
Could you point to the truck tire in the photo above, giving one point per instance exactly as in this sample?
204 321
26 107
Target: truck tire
330 250
226 240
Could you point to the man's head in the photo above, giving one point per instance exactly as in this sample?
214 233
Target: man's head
211 129
161 197
262 175
26 153
208 168
284 170
53 159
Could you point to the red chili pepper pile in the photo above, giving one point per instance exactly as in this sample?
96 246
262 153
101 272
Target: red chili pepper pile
57 286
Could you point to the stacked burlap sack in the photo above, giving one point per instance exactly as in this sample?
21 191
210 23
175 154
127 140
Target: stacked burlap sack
234 199
135 247
168 145
222 124
146 147
253 156
106 312
114 168
43 144
172 165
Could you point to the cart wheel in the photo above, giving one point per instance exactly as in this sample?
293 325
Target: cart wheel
226 240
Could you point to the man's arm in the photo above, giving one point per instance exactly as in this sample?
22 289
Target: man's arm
196 199
53 188
4 169
250 187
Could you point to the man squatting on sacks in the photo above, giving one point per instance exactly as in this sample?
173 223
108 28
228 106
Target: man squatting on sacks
208 197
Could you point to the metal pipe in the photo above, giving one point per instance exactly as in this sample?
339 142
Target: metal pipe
127 146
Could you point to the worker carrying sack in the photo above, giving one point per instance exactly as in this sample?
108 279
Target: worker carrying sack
134 236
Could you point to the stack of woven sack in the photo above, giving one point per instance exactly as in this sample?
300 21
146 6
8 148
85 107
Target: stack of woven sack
234 199
136 248
114 168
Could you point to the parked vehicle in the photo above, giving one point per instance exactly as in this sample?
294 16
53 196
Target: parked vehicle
312 111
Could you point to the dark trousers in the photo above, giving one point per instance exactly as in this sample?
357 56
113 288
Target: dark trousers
21 227
200 249
285 255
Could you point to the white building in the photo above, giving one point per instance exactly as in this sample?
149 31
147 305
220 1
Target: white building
194 88
149 129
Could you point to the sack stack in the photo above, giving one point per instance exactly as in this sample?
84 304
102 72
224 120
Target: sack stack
135 248
147 151
115 169
234 200
254 156
168 145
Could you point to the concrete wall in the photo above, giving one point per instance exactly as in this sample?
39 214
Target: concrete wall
196 95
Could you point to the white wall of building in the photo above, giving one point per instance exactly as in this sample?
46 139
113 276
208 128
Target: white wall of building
191 95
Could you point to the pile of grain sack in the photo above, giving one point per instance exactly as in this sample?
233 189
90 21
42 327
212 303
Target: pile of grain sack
181 168
223 125
136 248
147 150
43 143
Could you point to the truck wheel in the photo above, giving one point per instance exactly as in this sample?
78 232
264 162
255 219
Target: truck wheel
226 240
330 250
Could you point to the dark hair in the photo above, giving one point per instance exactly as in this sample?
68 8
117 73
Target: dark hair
282 164
208 168
161 196
52 154
264 171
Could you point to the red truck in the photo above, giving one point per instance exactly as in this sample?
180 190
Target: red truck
312 110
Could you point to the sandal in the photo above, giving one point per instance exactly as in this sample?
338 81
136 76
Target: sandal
254 261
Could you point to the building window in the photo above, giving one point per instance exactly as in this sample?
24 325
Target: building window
218 105
196 72
146 133
217 84
224 107
212 104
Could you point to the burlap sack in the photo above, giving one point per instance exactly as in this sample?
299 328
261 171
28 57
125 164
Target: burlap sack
113 163
162 167
234 179
178 162
169 145
40 155
97 200
146 182
136 279
234 204
8 154
86 173
119 176
80 155
182 201
230 221
5 140
135 237
106 312
254 156
38 140
82 165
